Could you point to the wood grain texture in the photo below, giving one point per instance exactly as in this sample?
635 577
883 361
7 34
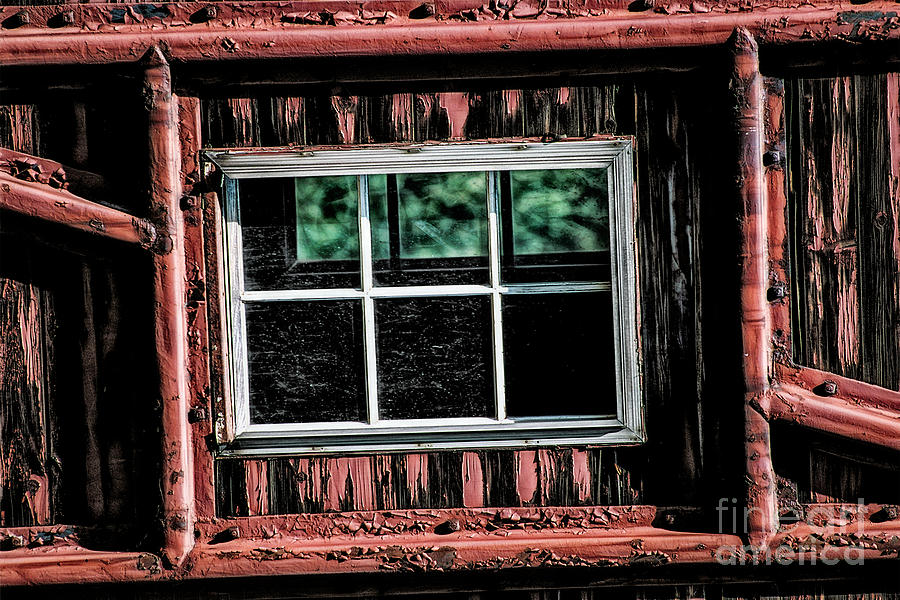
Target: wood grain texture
26 320
845 249
678 167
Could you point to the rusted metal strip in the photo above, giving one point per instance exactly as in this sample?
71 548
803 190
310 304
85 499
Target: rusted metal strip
169 291
793 404
58 206
746 86
215 41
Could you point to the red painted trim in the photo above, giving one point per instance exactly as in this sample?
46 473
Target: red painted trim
618 31
169 292
852 391
43 202
778 293
333 543
755 325
197 315
49 565
794 404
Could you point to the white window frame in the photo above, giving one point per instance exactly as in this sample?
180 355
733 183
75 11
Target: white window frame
613 154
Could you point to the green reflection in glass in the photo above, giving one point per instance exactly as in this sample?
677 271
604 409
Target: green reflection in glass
326 218
564 210
433 215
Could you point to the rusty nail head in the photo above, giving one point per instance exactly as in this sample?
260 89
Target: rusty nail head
641 5
829 388
207 13
177 522
772 157
67 17
17 20
776 292
423 11
197 414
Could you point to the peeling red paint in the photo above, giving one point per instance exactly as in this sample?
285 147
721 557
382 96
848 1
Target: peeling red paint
58 206
851 390
277 40
196 300
776 190
257 492
793 404
581 474
402 114
526 475
473 480
511 100
756 328
169 295
417 475
350 477
345 107
457 106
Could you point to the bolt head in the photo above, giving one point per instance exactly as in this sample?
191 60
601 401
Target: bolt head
776 292
827 388
772 157
19 19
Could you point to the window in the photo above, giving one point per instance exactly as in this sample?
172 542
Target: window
446 296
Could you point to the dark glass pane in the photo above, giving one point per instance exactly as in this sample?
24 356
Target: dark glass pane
300 233
429 229
306 361
434 357
555 225
559 354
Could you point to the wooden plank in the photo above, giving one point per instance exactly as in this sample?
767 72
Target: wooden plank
24 482
845 206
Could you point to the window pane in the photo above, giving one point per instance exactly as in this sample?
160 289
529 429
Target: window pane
429 228
300 233
306 361
555 225
559 354
434 357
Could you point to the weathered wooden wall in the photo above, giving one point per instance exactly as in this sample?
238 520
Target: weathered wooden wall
680 173
844 135
78 428
843 186
83 376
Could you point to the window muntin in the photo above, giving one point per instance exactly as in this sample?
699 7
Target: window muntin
458 254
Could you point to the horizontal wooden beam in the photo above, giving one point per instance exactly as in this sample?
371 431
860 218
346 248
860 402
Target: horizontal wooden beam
41 201
55 174
854 391
838 416
126 40
485 540
49 565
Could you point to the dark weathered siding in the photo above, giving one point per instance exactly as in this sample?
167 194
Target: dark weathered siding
846 242
679 167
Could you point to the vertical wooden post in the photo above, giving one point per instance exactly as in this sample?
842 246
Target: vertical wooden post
169 286
746 87
196 299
